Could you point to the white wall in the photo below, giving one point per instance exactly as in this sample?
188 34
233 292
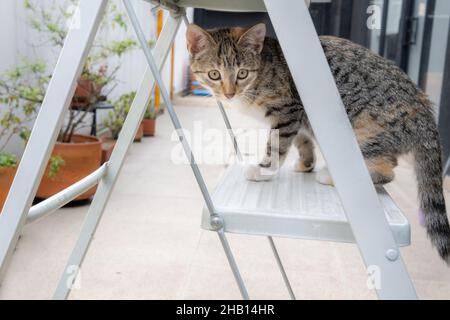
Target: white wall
8 34
10 28
16 36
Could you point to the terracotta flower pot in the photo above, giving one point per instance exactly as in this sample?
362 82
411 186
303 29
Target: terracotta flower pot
149 127
81 157
83 92
84 88
108 145
139 133
6 179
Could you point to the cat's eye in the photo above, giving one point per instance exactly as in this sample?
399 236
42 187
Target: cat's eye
242 74
214 75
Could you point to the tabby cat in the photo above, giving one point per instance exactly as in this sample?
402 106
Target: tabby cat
390 115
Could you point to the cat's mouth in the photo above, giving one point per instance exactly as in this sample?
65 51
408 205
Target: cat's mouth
230 97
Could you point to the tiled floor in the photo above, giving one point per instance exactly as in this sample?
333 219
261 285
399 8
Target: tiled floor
149 244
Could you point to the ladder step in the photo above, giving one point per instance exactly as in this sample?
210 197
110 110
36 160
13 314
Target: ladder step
293 205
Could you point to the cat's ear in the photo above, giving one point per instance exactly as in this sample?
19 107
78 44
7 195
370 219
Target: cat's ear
237 33
198 40
254 37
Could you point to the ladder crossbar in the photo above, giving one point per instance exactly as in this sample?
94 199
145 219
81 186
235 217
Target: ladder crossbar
63 197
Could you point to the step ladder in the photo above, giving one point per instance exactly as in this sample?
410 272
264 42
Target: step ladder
292 206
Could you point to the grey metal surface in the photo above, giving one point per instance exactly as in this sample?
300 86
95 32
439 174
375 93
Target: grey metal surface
225 5
232 262
312 76
446 167
281 267
293 205
230 130
48 123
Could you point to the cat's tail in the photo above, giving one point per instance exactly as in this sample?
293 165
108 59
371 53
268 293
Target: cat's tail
428 166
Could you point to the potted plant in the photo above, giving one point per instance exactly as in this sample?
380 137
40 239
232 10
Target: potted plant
8 166
149 121
74 155
20 96
83 92
69 163
114 123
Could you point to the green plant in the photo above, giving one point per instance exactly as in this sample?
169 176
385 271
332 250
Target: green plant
7 160
56 162
20 99
24 86
116 118
150 113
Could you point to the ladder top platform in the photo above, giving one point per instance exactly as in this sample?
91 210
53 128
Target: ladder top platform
224 5
218 5
293 205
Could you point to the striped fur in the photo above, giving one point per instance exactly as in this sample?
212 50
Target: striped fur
390 115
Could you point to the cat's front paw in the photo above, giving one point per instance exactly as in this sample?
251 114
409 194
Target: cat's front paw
254 172
304 166
324 177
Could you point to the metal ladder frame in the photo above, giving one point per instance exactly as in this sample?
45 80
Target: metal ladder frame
324 107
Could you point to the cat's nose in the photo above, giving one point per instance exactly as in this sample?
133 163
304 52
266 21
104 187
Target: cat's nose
229 95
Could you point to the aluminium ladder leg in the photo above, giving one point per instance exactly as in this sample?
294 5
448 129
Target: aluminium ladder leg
237 151
126 138
447 167
329 121
173 116
48 123
271 242
281 268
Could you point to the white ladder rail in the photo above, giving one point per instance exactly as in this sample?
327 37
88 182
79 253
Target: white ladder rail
330 123
126 137
56 102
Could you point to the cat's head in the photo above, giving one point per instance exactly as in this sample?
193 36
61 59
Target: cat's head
226 60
